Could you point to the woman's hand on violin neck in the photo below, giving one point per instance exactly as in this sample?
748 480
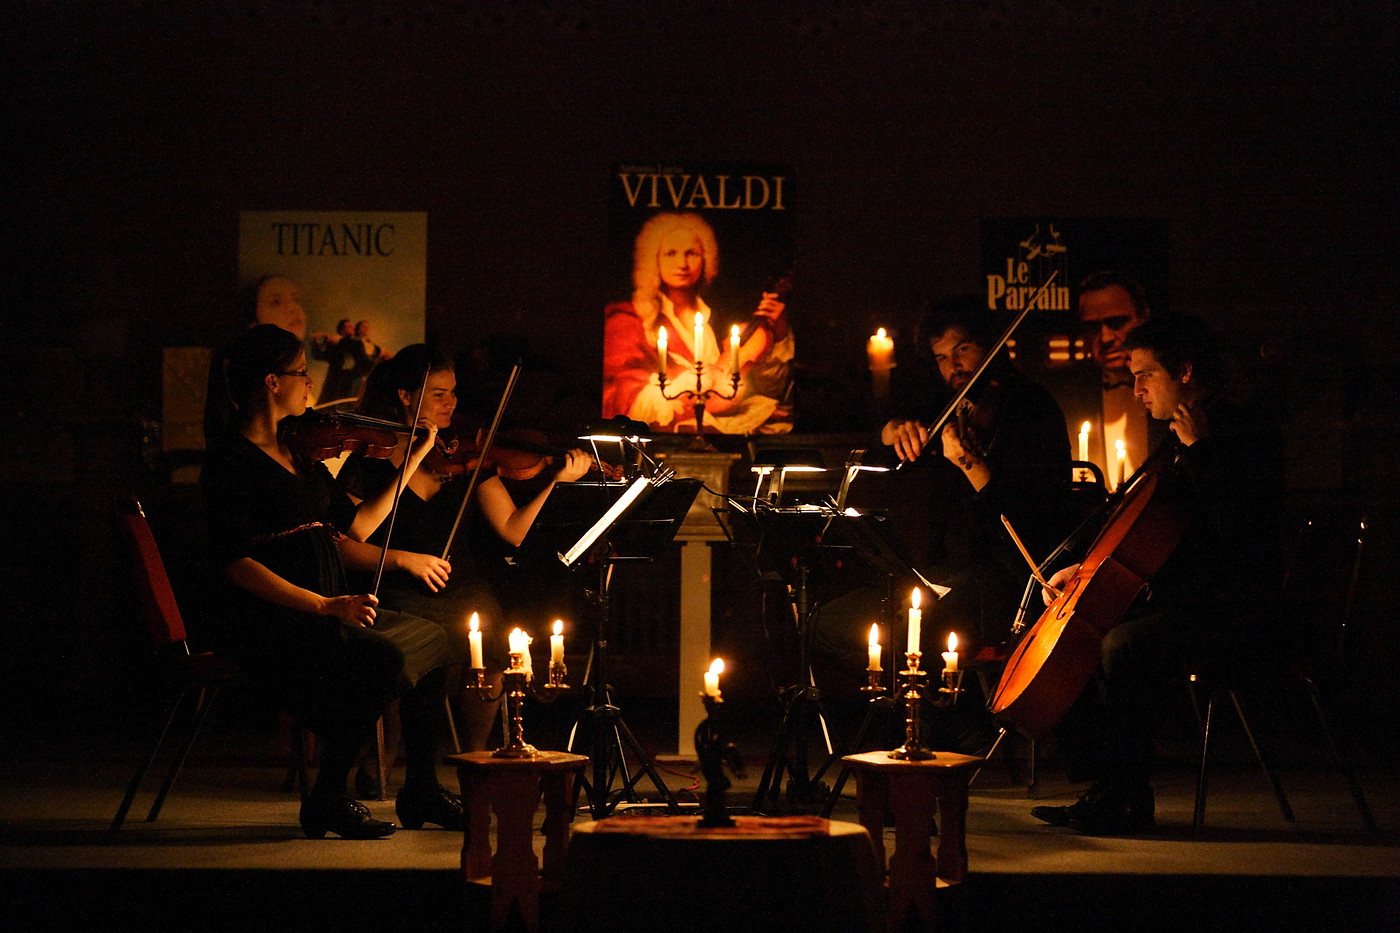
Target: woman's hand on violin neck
423 441
357 609
433 571
576 464
906 437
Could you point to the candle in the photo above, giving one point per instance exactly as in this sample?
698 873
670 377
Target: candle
880 350
734 347
699 346
525 658
517 641
1084 441
474 641
556 643
712 678
663 356
915 616
874 648
1122 460
950 657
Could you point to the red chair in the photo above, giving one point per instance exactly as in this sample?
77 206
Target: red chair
200 675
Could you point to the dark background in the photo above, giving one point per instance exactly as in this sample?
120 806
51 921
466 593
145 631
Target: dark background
1262 133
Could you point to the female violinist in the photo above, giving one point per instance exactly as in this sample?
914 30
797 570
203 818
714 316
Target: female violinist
447 590
328 655
1219 480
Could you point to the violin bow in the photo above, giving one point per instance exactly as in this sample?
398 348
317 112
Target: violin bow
986 361
481 462
399 482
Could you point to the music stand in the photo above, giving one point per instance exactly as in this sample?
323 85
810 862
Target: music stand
600 525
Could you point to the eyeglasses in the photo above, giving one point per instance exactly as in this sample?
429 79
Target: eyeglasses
298 372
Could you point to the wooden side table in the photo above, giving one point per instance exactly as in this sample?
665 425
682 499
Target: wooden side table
913 791
513 787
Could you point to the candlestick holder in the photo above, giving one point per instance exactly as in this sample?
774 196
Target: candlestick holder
516 685
714 753
700 394
913 688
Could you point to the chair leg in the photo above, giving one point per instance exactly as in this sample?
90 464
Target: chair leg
1362 807
1198 815
206 701
381 757
1269 772
145 765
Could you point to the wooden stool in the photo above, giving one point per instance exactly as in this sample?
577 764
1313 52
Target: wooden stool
512 787
629 874
912 791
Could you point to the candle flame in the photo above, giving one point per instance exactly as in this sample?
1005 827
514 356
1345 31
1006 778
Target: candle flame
875 634
1121 446
559 626
1084 428
699 320
661 337
717 666
914 598
880 334
475 623
734 333
952 641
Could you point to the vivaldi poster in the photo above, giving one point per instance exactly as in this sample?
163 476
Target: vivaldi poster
707 240
357 277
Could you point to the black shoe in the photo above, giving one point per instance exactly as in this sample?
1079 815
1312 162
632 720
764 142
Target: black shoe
434 805
344 817
1104 812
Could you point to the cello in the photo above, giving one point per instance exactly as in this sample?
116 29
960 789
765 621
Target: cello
1056 659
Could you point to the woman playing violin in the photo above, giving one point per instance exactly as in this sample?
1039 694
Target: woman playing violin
330 656
446 590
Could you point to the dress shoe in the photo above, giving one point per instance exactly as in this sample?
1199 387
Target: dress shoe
346 818
1104 812
432 805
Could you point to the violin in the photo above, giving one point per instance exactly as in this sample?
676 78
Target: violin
974 421
325 435
517 455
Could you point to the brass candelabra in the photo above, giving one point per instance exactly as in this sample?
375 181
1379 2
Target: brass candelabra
700 394
516 685
913 688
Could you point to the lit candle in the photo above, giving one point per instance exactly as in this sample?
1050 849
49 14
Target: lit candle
1122 460
699 346
474 641
915 616
880 350
663 357
517 641
950 657
556 643
734 347
712 678
1084 441
874 648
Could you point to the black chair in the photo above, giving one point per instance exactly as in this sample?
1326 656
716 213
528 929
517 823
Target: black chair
1319 592
200 675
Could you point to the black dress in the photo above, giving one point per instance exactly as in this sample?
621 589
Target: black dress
322 669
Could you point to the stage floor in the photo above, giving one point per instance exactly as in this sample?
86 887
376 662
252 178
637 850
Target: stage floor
227 850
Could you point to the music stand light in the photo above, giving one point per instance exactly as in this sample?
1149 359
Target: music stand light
625 433
775 463
859 461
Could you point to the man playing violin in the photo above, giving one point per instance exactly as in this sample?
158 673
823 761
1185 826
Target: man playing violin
1007 442
1220 471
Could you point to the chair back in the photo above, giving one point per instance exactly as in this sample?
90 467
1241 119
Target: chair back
1320 583
162 614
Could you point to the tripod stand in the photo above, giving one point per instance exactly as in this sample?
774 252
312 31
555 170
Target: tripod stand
635 525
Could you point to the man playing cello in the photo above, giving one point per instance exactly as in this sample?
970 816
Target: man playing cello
1221 474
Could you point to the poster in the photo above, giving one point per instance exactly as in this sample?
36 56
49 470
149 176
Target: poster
359 278
1107 426
717 241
